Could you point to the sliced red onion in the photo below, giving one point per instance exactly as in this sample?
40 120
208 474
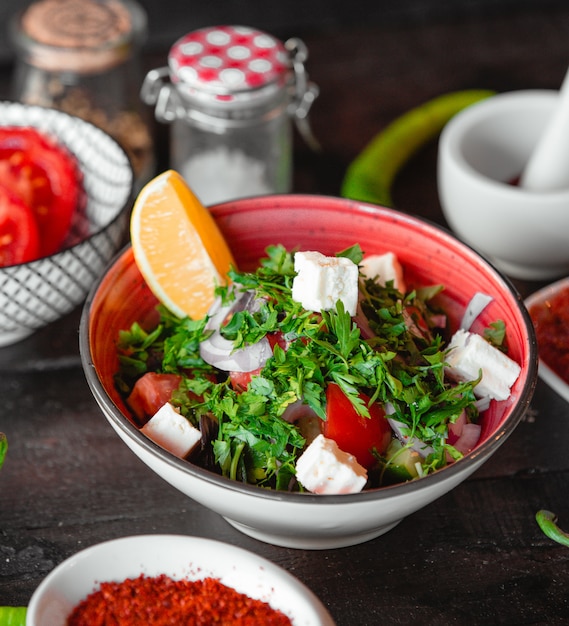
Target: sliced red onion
412 326
363 323
477 304
455 429
468 439
416 444
305 418
439 320
483 404
246 301
219 352
296 410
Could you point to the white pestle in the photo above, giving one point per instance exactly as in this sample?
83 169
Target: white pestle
548 166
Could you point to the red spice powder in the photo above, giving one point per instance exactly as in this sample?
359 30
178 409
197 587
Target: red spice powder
551 322
161 601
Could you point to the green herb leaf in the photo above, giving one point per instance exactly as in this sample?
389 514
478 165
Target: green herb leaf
496 334
354 253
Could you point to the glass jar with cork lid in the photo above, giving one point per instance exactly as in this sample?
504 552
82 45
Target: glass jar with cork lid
230 94
82 57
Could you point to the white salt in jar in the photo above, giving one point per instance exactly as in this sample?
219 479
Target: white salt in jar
230 94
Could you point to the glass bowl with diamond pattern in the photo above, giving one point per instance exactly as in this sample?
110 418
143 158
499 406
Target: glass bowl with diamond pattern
37 293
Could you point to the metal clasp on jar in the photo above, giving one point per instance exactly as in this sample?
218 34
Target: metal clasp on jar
157 89
305 91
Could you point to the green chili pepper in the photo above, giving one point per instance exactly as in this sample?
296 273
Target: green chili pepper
548 523
3 450
13 615
370 176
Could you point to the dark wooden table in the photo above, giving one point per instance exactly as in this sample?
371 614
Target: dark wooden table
476 555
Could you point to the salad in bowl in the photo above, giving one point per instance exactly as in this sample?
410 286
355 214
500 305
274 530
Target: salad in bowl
350 365
318 373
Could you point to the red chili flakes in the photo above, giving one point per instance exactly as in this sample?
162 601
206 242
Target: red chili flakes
551 321
161 601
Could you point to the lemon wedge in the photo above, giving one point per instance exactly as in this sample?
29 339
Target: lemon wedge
177 246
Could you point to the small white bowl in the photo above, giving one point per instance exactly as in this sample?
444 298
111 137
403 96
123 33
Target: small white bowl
544 371
178 557
481 151
39 292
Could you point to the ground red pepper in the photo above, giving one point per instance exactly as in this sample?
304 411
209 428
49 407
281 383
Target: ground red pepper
551 321
161 601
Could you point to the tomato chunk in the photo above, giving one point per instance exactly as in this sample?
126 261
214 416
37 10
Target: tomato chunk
45 176
277 339
19 237
151 392
240 380
354 433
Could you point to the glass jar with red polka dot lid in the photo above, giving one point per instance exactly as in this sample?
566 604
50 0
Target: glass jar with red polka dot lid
231 94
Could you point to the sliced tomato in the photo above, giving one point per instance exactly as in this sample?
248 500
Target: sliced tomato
45 176
240 380
19 237
277 339
151 392
353 433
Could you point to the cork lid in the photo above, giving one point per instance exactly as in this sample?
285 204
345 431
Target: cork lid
82 36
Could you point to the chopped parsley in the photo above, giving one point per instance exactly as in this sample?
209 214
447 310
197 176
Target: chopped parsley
401 364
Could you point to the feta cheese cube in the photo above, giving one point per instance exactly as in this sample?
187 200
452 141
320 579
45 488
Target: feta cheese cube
325 469
384 267
172 431
469 353
323 280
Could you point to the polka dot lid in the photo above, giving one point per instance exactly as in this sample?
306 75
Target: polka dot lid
226 62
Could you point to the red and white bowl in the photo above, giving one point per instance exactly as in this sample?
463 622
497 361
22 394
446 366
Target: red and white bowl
429 255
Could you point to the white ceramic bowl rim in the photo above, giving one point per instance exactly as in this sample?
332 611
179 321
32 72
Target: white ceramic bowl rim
454 131
6 104
484 450
236 567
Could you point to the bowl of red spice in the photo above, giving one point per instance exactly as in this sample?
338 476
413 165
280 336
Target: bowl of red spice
172 579
65 195
549 311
